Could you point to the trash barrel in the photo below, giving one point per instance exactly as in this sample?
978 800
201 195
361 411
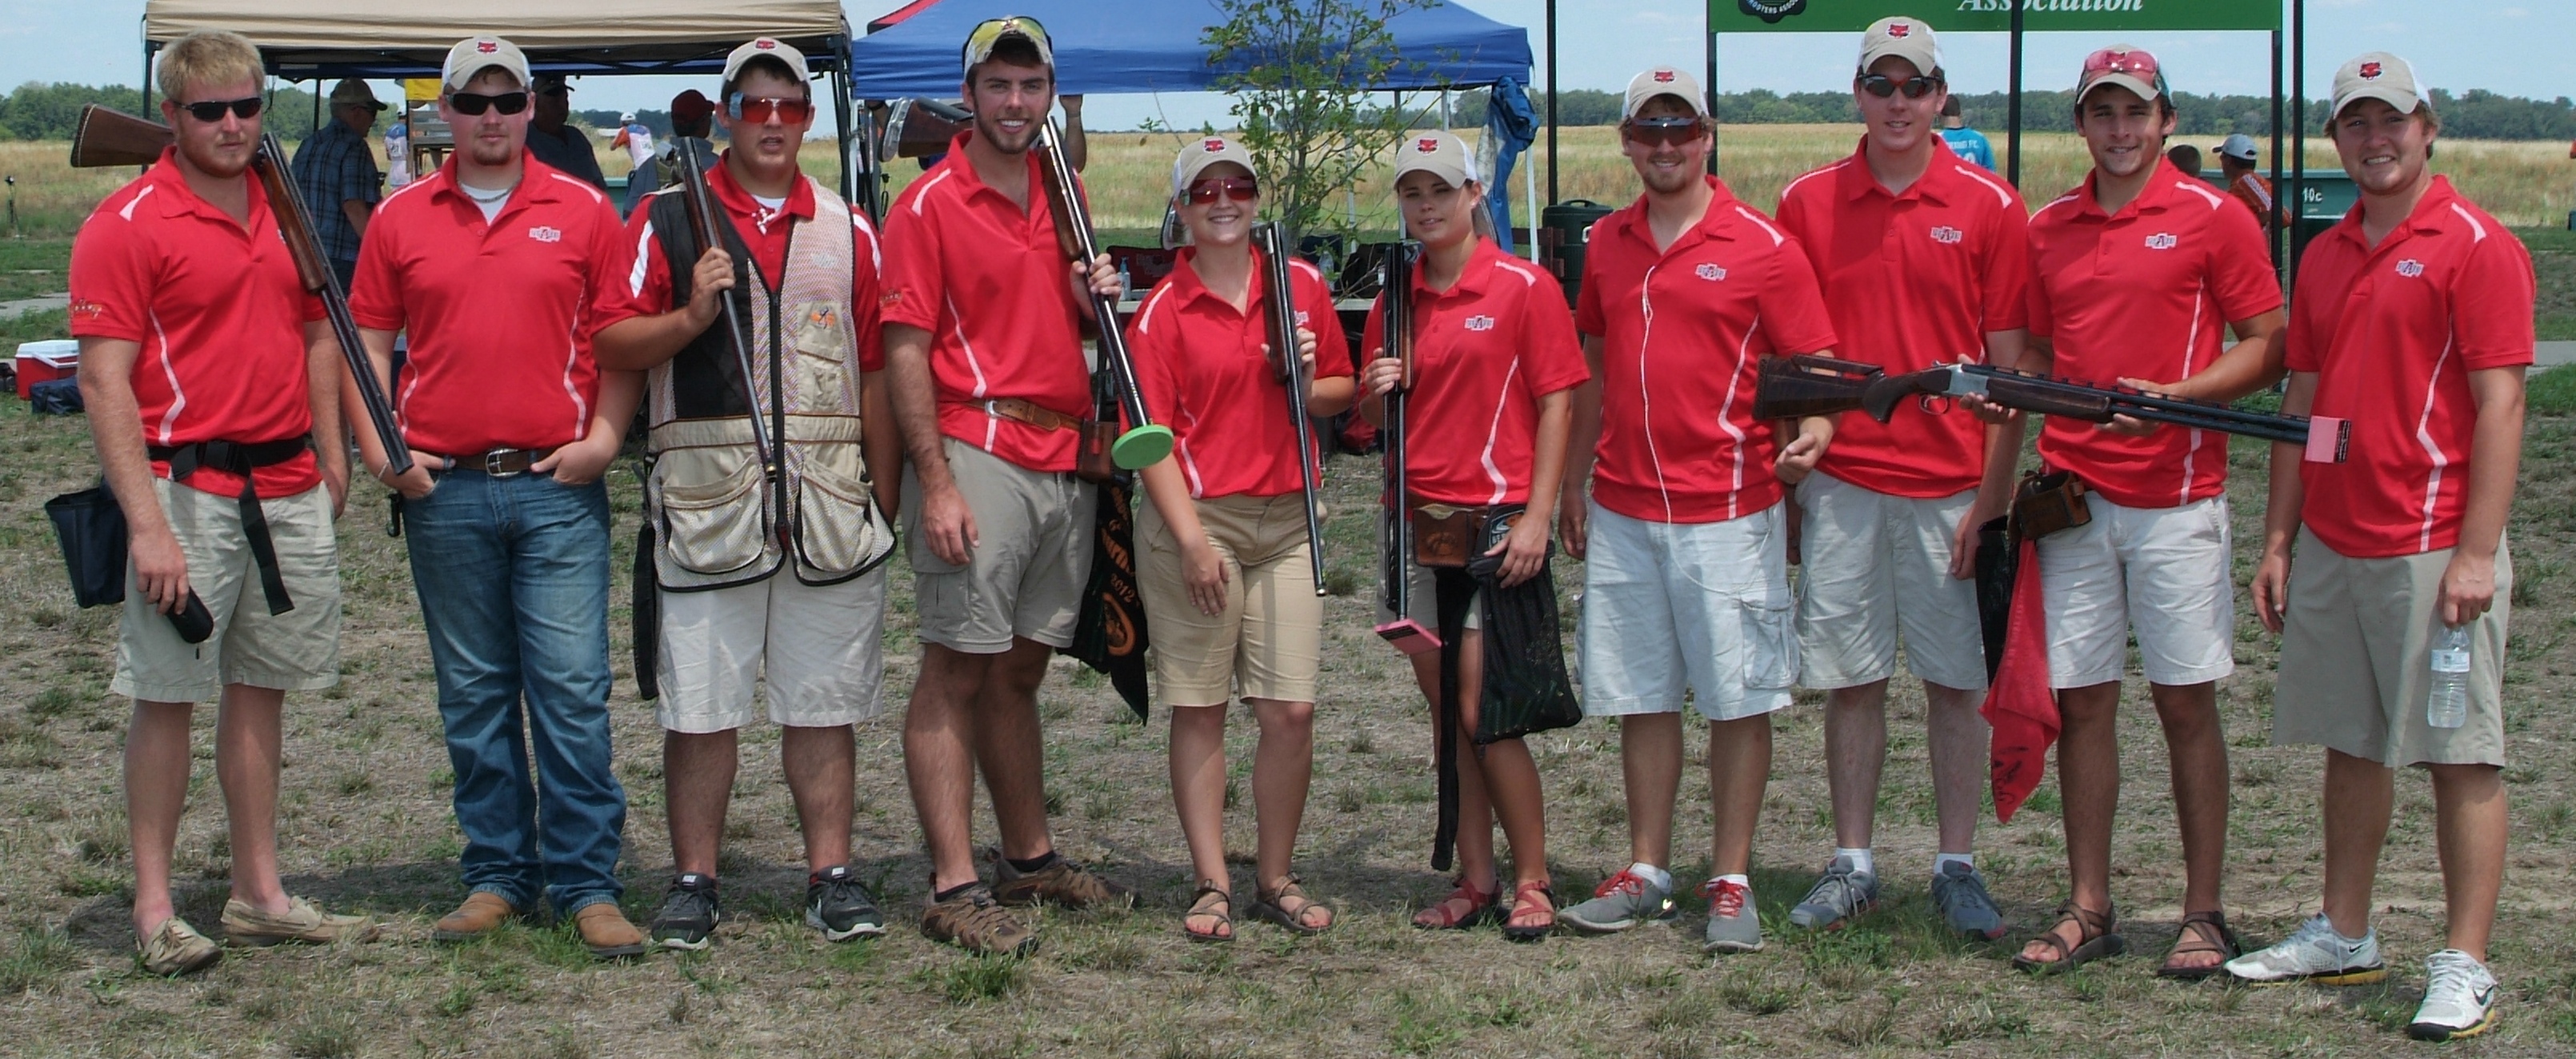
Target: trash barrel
1564 231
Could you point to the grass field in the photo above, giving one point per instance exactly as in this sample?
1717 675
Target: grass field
366 826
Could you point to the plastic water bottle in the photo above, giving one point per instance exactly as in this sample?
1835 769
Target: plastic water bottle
2448 705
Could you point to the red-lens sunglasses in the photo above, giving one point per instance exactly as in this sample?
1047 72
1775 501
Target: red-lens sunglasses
759 111
2132 62
1240 189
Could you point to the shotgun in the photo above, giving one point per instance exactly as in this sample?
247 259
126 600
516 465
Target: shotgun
1809 385
107 137
707 229
1395 309
1145 442
919 128
2050 395
1280 308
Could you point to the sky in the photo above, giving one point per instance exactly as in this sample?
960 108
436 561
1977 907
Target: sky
2515 47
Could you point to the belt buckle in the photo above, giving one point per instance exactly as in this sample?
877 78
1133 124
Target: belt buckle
492 464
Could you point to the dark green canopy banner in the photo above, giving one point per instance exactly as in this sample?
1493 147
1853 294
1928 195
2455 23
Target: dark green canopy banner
1966 16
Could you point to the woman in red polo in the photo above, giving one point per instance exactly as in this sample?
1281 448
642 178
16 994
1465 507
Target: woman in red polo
1222 555
1496 362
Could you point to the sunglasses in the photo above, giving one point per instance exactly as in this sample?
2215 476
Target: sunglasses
1240 189
1883 86
759 111
1661 132
473 104
212 111
980 40
2110 61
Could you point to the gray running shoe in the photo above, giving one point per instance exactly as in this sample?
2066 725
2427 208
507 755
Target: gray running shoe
1840 894
1960 893
1734 925
1621 901
689 913
2314 953
2459 998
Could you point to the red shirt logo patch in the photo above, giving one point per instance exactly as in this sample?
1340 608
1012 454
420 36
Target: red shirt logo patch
87 310
1480 323
1946 235
2370 71
2163 241
1711 273
544 234
2410 268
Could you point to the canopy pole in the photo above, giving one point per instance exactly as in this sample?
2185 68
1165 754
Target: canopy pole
2012 106
1529 206
1709 89
1551 121
2278 252
2298 137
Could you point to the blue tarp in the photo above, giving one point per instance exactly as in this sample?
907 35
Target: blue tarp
1511 125
1155 46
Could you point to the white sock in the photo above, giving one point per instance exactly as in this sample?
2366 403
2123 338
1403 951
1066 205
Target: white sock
1745 881
1860 858
1662 879
1942 862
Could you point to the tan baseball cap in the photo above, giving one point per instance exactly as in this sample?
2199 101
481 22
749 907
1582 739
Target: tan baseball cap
1906 38
770 48
1203 152
1663 81
2377 75
987 34
473 55
1437 152
2126 65
352 92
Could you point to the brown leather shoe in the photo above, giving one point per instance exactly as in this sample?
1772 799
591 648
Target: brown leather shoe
482 913
604 928
1061 883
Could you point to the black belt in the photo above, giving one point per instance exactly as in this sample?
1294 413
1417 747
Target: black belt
499 463
240 459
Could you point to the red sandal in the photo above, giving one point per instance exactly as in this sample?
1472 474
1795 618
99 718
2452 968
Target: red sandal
1528 897
1465 907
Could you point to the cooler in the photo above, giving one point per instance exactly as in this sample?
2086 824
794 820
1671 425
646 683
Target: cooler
46 361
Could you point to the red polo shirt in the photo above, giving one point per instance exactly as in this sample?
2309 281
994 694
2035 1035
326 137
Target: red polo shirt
1484 352
1204 373
2144 294
2393 332
764 233
219 312
1683 334
987 280
500 314
1912 280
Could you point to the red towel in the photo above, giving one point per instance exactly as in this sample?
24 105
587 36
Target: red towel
2020 704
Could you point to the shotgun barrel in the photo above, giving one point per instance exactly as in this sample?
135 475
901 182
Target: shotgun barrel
1280 312
1395 318
1145 441
707 228
2051 395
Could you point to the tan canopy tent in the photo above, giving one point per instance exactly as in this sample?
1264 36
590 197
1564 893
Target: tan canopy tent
311 40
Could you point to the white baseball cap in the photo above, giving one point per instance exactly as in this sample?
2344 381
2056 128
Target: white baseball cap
1437 152
473 55
1663 81
1906 38
2238 146
2376 75
766 47
1203 152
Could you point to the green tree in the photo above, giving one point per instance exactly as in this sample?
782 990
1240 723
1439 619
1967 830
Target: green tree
1301 72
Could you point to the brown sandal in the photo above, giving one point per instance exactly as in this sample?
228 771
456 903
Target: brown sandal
1529 897
1215 903
1271 905
1465 907
2096 937
2202 932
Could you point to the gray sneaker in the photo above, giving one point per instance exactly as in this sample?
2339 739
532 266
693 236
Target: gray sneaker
1960 893
1840 894
2314 953
1734 925
1621 901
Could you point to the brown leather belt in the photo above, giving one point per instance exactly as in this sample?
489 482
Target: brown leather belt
1029 412
499 463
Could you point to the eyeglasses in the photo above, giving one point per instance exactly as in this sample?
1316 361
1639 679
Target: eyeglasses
212 110
759 111
2134 63
1661 132
1883 86
472 104
1240 189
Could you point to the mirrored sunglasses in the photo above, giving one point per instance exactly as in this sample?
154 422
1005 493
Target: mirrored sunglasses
1661 132
1240 189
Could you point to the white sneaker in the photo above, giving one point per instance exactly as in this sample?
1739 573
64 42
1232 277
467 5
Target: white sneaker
2315 953
2459 998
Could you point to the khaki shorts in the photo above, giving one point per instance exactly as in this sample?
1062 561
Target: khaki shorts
295 651
1876 565
1422 593
2163 573
1267 643
1698 609
2356 659
818 650
1025 577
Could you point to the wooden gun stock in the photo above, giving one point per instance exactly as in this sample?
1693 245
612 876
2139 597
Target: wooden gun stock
1145 441
919 128
1801 386
107 137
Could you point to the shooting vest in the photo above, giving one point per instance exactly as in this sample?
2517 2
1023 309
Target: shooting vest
723 518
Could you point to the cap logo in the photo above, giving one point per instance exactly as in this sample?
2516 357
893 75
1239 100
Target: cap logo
1212 145
2410 268
486 47
544 234
2163 241
1663 77
1899 29
765 44
1946 235
2370 71
1480 323
1709 272
1427 145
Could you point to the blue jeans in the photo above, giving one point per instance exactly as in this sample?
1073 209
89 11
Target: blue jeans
513 581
